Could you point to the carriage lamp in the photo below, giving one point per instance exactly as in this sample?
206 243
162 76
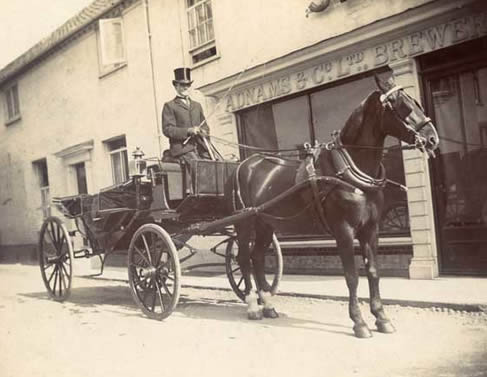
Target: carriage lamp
138 164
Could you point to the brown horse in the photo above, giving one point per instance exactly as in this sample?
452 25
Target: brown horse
346 195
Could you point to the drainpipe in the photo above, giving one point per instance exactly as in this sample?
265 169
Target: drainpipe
151 63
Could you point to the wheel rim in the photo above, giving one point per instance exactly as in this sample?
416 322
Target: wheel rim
154 271
235 276
55 259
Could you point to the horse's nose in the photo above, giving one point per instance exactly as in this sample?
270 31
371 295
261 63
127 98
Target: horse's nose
433 141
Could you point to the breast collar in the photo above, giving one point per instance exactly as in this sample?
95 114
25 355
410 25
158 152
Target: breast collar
347 170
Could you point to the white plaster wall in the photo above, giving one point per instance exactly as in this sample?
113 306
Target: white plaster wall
64 102
252 32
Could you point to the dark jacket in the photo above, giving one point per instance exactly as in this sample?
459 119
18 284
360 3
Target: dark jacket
177 117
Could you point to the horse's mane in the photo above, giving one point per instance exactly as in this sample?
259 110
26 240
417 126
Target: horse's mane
353 125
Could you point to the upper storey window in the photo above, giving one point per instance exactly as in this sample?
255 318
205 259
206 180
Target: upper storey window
201 34
111 45
12 107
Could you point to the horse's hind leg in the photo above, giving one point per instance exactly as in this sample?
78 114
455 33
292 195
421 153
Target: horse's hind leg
244 233
263 238
368 244
345 246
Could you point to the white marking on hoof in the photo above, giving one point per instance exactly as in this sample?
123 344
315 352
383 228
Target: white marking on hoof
266 298
253 310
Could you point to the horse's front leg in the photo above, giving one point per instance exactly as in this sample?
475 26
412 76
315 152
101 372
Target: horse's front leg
243 235
263 239
369 243
345 247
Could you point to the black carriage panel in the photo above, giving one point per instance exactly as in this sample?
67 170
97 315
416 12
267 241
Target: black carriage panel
210 177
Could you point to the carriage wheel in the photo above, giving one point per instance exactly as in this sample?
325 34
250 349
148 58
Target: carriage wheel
55 258
154 271
233 269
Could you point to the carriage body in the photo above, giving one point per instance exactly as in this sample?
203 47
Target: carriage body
151 218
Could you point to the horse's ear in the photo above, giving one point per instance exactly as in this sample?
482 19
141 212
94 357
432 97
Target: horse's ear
384 86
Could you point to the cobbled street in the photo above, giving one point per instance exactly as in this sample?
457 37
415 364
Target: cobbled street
100 331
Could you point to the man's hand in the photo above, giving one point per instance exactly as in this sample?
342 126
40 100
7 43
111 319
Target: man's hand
197 131
194 131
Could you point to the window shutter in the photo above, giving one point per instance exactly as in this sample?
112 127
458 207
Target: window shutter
111 41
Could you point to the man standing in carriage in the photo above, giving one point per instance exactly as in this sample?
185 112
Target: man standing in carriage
184 123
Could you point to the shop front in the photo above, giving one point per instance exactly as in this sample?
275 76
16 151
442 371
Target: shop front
304 96
455 83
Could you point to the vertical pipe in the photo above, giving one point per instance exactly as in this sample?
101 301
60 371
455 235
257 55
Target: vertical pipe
151 63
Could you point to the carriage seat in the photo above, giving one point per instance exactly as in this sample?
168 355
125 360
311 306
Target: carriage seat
168 184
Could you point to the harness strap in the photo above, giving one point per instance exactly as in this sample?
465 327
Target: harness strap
311 170
386 95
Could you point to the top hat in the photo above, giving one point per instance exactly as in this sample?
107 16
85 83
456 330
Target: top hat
182 76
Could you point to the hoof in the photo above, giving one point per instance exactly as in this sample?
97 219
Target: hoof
362 332
270 313
254 315
385 327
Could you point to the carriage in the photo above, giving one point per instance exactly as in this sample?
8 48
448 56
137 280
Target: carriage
151 218
339 183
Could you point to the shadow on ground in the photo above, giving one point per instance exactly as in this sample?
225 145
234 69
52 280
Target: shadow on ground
117 299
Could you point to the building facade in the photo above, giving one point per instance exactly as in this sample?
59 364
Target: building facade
270 76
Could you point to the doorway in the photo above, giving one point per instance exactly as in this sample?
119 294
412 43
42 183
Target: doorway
456 98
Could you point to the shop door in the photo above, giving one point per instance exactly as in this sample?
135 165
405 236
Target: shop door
458 101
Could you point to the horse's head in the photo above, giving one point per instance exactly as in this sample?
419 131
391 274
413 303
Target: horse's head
404 118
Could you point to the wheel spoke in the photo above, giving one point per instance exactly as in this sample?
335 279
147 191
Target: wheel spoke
52 274
146 289
235 270
142 255
166 288
60 281
58 233
47 265
53 237
66 273
147 249
52 240
154 298
55 280
240 282
163 308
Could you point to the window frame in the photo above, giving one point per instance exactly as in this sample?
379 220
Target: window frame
206 45
43 188
14 115
105 64
121 150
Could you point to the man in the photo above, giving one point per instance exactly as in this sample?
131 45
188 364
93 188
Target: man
184 123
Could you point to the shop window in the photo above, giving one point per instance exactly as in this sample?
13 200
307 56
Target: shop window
312 117
12 107
40 168
200 28
117 150
111 45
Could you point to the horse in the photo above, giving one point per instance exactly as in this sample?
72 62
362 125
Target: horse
345 193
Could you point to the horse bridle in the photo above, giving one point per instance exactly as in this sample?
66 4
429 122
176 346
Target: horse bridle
419 141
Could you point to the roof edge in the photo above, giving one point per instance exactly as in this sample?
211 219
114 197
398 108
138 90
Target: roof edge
72 26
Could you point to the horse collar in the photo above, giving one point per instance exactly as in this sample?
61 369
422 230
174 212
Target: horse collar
347 170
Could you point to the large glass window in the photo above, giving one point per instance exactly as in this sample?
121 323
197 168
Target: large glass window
312 116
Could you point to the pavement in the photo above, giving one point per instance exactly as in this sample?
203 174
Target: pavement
443 293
